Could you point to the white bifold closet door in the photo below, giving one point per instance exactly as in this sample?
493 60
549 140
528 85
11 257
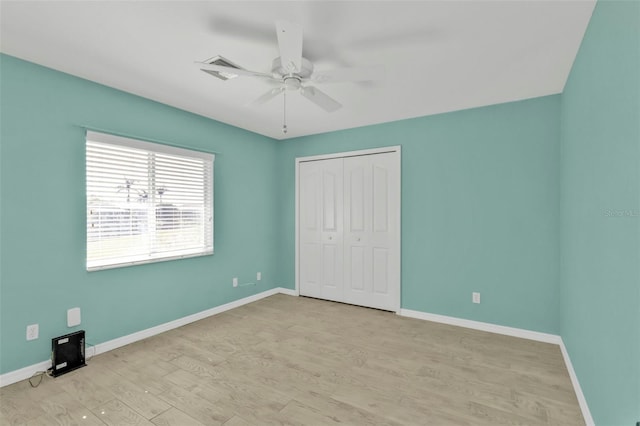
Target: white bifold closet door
349 230
321 229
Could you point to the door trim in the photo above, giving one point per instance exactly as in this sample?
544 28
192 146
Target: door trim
386 149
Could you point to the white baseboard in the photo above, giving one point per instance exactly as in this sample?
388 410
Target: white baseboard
514 332
289 292
483 326
586 413
26 372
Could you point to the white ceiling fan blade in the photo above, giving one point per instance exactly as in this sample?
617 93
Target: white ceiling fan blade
341 75
290 44
231 70
268 96
320 98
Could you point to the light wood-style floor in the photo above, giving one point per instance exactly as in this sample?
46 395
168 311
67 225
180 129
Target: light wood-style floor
297 361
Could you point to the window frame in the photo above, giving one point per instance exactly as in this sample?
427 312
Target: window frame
159 148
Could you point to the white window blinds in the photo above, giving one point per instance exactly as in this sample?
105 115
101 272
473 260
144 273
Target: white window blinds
146 202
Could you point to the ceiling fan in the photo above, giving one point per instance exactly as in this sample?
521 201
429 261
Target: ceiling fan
293 72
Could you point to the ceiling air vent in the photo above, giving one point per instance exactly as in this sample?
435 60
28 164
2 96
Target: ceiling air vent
219 60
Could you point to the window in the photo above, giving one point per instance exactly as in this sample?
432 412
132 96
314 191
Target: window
146 202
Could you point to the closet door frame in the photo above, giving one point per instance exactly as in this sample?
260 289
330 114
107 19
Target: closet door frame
397 149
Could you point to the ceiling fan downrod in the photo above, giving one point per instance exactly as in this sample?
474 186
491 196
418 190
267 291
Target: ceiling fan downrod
284 113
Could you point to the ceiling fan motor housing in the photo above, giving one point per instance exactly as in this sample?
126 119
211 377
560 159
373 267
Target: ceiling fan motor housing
306 69
292 82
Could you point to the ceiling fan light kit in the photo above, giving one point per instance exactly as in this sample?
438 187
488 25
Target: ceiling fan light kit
292 72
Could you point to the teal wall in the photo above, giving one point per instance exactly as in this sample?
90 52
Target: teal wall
600 239
480 209
42 270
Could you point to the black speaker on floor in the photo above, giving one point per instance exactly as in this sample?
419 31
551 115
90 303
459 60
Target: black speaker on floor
67 353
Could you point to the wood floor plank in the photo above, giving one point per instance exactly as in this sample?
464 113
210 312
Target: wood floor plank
292 360
175 417
298 413
18 403
237 421
207 412
395 406
117 413
137 397
63 409
82 418
77 384
342 412
147 374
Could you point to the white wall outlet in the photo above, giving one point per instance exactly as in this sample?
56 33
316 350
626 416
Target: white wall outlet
32 332
475 297
235 281
259 276
73 317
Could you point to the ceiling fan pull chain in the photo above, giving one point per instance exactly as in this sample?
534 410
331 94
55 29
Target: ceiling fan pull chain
284 113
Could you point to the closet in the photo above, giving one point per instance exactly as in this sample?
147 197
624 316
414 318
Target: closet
348 227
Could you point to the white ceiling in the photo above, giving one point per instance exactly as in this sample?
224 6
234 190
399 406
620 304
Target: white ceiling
439 55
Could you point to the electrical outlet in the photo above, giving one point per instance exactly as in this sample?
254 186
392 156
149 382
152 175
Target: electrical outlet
259 276
32 332
235 281
475 297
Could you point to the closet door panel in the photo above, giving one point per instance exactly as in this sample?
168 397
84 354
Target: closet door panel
385 232
310 229
380 271
321 208
310 276
380 190
357 238
370 230
355 263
